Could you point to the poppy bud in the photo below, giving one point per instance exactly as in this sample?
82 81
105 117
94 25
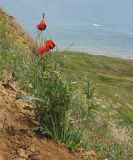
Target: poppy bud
42 25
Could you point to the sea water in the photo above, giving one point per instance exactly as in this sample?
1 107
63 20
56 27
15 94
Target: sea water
93 38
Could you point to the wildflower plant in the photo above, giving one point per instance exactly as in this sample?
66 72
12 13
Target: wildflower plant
52 95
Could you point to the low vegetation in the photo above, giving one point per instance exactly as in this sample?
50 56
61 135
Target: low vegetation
113 78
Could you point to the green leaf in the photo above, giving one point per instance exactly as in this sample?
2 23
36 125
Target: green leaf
28 108
28 98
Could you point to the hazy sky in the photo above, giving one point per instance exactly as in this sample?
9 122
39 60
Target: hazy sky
105 12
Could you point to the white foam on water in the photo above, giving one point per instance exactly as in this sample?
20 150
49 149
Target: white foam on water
96 25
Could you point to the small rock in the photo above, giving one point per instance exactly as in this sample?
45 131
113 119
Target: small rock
1 158
32 149
49 154
21 153
90 153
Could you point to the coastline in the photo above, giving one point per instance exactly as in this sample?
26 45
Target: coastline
98 54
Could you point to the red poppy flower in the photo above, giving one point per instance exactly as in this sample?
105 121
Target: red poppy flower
50 44
42 25
41 50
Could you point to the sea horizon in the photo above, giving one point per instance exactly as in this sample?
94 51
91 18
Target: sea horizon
95 39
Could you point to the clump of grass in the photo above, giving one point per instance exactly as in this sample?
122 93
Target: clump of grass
5 45
53 101
53 98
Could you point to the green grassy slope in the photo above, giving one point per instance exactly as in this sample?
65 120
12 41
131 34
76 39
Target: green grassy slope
113 78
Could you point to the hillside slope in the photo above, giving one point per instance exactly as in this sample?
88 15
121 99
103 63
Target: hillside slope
113 78
17 141
19 33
